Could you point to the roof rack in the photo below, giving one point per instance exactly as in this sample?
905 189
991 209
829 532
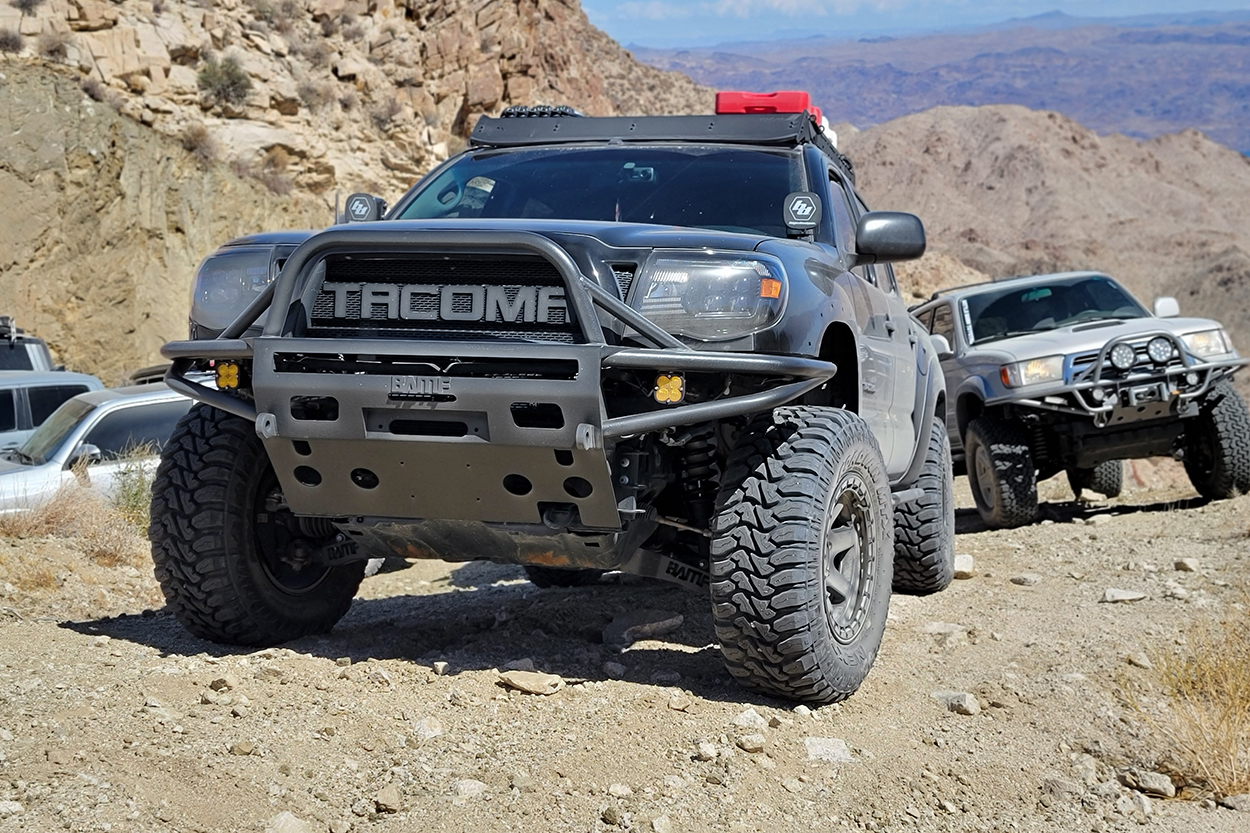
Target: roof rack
766 129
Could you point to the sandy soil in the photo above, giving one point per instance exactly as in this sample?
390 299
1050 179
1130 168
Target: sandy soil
112 718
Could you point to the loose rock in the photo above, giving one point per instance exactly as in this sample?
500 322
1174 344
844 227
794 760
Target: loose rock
661 824
750 719
1114 595
611 815
751 743
1026 579
388 799
959 702
9 808
614 670
637 625
828 750
227 683
288 822
532 682
965 566
1140 660
1186 565
1240 803
243 747
620 790
469 788
707 751
340 826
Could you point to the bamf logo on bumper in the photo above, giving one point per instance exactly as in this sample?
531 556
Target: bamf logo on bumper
427 302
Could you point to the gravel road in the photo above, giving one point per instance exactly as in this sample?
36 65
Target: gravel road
995 706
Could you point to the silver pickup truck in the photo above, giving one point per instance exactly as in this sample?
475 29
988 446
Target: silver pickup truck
1070 372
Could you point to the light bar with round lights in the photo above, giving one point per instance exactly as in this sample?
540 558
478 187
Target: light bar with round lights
1160 350
1123 356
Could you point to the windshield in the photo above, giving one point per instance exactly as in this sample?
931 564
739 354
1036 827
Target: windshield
43 444
726 189
1020 310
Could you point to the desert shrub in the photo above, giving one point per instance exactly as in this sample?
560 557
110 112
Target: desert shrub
355 32
98 526
10 41
318 53
26 7
314 95
158 6
197 140
55 45
330 26
133 494
1203 714
262 10
383 115
277 183
93 87
349 100
224 81
276 160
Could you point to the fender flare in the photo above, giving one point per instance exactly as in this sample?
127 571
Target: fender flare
929 374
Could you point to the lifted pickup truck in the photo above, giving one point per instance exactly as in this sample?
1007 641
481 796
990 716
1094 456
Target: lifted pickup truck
1069 372
666 345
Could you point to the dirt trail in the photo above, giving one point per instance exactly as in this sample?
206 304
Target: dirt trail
109 719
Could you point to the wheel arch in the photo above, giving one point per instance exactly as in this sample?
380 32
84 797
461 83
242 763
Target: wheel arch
839 345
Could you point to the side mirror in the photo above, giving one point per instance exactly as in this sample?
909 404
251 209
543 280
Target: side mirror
888 236
941 346
85 455
1167 307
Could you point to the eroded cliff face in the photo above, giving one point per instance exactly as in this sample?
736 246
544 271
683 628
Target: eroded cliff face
357 94
102 222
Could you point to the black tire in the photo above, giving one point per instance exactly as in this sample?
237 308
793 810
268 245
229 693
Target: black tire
1106 478
782 628
1001 472
216 559
546 577
1217 444
924 529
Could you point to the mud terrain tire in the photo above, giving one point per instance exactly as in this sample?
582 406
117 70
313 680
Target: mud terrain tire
802 555
546 577
210 561
924 529
1107 479
1217 445
1001 472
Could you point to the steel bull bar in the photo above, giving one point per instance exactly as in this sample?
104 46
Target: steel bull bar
450 494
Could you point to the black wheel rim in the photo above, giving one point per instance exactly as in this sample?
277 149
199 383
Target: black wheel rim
278 540
849 547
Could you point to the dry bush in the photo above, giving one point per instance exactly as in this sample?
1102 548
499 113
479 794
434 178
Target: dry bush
277 183
349 100
26 7
104 531
329 27
384 114
1203 716
224 81
354 32
276 160
10 41
197 140
158 7
318 54
316 96
55 45
94 87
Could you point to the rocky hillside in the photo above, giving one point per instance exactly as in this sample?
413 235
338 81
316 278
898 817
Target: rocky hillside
354 94
149 132
1009 191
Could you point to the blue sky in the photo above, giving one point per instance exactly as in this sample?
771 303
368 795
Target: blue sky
670 23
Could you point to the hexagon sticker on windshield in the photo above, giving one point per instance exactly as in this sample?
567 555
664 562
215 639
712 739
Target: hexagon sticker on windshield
802 210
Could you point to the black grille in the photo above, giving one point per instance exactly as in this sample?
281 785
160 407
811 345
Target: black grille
443 298
624 277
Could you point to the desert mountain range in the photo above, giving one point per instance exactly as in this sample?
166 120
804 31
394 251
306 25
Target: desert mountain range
114 191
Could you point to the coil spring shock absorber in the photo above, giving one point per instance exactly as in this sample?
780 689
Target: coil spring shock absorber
698 473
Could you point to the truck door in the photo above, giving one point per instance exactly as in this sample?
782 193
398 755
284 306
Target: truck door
901 333
943 324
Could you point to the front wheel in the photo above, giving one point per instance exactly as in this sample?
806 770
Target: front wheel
233 562
1217 445
1001 472
802 554
924 529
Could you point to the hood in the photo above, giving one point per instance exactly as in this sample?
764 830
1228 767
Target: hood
1088 337
615 235
271 238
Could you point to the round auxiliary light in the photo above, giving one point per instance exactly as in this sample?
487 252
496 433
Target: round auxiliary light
1123 356
1098 393
1160 350
1191 378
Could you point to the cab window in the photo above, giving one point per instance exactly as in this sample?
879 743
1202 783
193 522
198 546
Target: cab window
122 432
8 411
943 323
43 401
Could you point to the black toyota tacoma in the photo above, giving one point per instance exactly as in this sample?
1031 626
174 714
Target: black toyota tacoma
671 346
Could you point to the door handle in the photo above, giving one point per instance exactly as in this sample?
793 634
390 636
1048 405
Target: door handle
890 326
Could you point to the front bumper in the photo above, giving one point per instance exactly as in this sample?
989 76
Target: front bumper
373 432
1141 394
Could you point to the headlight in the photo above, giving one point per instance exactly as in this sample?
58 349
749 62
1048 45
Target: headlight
1208 343
226 283
1033 372
711 295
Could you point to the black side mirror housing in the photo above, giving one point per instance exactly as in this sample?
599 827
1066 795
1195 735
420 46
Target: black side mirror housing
888 236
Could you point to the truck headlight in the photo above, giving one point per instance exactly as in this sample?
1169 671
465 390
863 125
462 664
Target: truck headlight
711 295
226 283
1032 372
1208 343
